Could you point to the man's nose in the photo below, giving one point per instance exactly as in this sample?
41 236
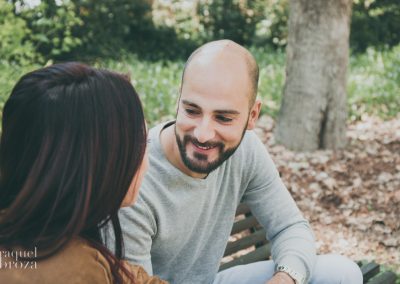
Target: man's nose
204 131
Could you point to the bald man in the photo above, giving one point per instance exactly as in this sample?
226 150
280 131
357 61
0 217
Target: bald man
201 166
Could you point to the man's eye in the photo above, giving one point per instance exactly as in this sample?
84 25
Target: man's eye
223 118
191 111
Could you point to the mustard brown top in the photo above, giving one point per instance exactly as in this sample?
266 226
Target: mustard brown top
77 262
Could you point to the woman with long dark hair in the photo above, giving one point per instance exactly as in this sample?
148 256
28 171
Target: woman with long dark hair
72 152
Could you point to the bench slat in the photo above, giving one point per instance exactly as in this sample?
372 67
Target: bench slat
255 238
369 270
260 254
244 224
387 277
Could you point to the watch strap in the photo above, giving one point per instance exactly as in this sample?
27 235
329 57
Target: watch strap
297 277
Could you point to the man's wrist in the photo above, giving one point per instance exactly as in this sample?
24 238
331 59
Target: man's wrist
297 277
283 276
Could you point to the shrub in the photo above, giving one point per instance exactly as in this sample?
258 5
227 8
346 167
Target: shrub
14 47
231 19
52 27
112 26
375 23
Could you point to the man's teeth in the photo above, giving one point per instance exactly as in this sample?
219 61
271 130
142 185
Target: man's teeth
204 148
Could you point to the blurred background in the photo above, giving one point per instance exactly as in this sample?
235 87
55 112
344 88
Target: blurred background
151 40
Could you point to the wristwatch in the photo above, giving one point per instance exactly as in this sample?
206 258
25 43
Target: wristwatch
297 277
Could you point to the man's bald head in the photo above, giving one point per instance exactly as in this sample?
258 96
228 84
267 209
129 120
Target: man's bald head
225 51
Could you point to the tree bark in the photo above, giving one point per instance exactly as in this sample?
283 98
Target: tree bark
313 111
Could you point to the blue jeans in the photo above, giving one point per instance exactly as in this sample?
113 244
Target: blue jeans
329 269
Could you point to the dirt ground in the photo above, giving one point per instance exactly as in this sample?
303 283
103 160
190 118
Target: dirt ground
350 196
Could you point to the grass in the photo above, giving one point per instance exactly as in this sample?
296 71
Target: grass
157 84
272 79
373 82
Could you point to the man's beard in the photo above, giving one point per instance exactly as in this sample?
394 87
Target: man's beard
199 163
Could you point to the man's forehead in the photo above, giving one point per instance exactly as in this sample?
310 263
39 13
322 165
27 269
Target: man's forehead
217 69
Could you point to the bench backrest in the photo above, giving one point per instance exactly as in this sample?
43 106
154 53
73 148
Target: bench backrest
253 238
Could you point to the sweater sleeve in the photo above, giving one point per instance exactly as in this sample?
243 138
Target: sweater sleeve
292 240
138 232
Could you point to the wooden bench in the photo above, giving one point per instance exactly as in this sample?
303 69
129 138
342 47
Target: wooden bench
254 237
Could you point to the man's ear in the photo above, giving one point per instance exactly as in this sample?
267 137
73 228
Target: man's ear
253 116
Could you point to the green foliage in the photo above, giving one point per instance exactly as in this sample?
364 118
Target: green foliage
162 43
255 22
183 17
272 78
231 19
110 26
272 29
374 83
375 23
52 28
157 30
87 29
157 84
13 32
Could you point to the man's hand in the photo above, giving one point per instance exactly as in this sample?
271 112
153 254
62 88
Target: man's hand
281 278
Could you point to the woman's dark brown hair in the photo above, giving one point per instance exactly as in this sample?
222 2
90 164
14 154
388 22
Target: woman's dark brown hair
73 137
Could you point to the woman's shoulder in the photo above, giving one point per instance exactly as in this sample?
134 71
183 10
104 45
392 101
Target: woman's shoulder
90 263
77 262
140 275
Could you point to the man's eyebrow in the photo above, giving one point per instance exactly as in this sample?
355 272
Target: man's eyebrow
185 102
218 111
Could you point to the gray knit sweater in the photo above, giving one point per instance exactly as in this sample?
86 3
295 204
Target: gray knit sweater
179 226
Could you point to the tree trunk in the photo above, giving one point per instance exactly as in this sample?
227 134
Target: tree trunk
313 111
